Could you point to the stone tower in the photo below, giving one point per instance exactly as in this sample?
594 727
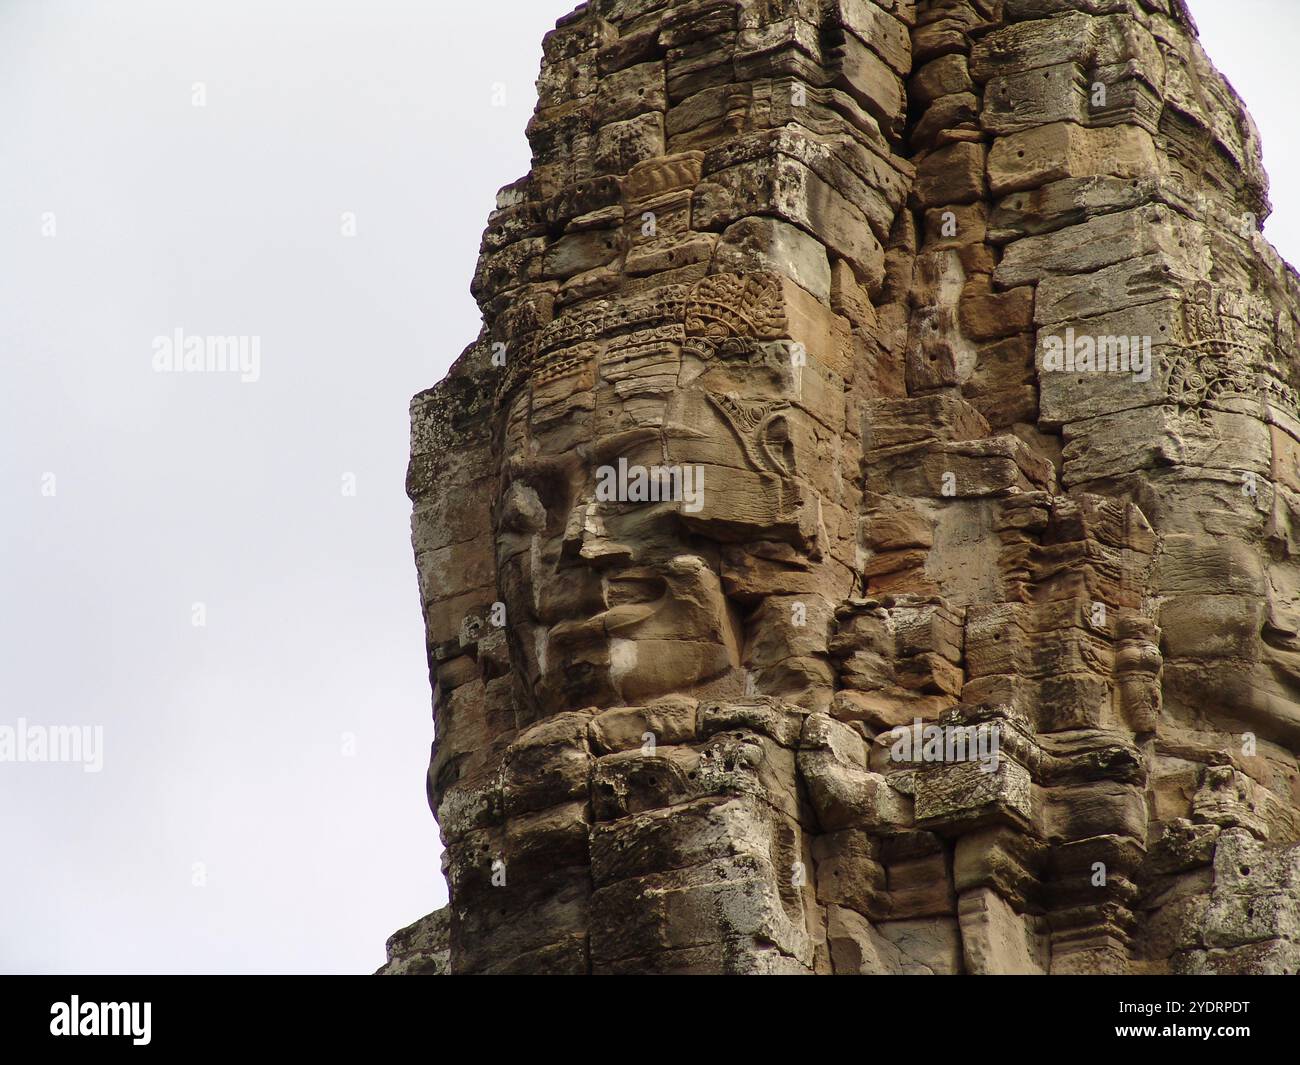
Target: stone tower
863 537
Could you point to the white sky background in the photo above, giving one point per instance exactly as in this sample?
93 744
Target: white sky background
224 744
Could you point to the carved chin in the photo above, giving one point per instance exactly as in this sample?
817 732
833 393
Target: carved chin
606 671
646 669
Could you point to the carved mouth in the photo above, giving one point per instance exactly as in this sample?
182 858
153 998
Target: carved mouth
616 621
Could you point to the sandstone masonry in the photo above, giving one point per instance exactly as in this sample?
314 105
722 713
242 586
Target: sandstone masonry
825 255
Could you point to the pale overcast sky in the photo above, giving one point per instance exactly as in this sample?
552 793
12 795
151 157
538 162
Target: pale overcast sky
261 804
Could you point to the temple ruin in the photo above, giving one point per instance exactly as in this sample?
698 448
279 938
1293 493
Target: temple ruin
863 537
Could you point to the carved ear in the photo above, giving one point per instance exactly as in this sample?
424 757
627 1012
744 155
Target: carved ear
778 448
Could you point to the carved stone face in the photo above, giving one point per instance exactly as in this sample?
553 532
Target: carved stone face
596 621
627 462
1230 599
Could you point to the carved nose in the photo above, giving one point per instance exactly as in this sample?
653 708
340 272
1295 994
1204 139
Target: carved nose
586 539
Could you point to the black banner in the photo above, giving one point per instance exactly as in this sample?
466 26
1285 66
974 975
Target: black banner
164 1015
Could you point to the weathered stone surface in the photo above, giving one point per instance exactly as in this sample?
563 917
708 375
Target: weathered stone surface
996 940
1062 150
420 949
863 537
